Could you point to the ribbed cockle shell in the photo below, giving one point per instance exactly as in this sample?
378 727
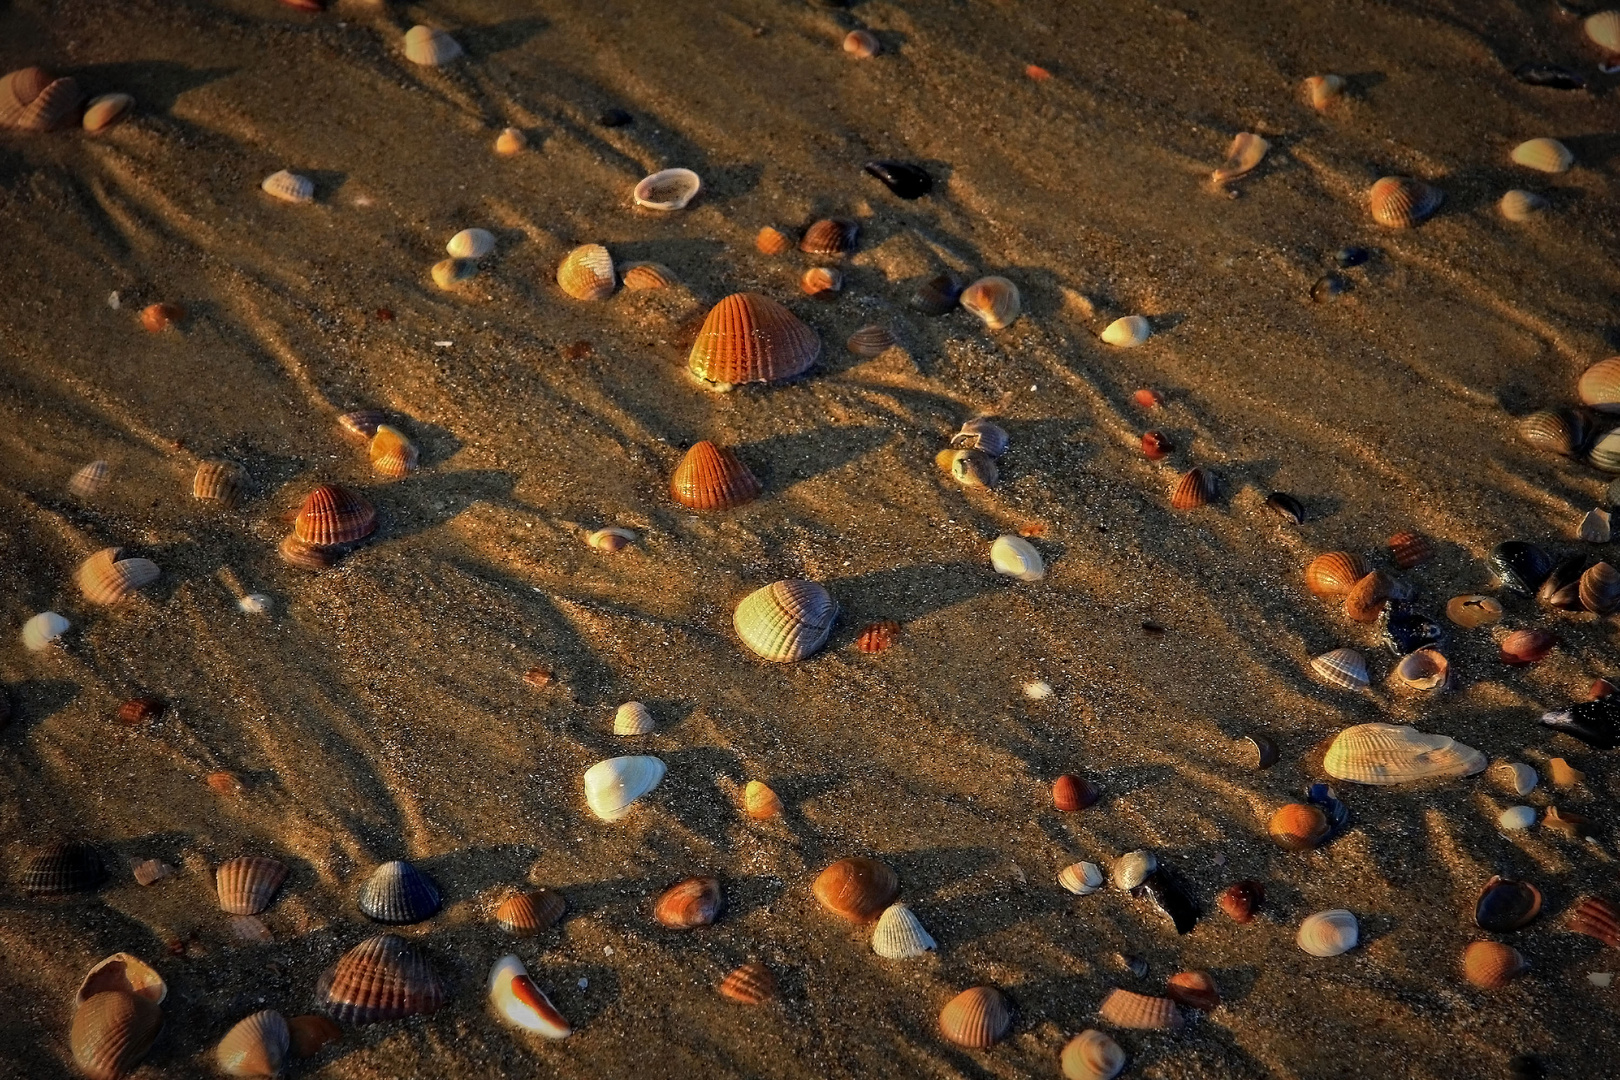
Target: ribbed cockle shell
111 1032
977 1018
857 888
1400 202
382 978
785 621
104 578
712 477
1544 155
398 893
392 453
749 338
689 903
1144 1012
1344 668
899 934
247 885
530 912
751 984
333 515
255 1046
289 187
587 273
1392 754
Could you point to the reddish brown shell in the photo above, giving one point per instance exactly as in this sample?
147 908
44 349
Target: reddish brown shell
1596 918
1147 398
870 341
1527 646
821 281
1364 602
157 318
692 902
1298 826
1194 989
858 888
1242 899
1156 446
749 338
1410 549
310 1034
1071 793
711 477
1490 964
977 1018
217 481
772 241
248 884
140 710
111 1032
1197 487
830 236
1335 573
530 912
382 978
1400 202
51 107
1125 1009
751 984
334 515
1600 589
878 636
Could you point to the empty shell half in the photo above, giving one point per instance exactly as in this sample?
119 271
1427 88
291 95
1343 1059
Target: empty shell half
632 718
106 110
711 477
613 786
1246 152
870 341
121 971
519 1001
977 1018
90 479
1544 155
1393 754
1344 668
749 338
112 1032
104 578
471 244
1424 669
289 187
1517 205
669 189
1328 933
382 978
586 273
830 236
1400 202
649 275
751 984
247 885
1017 558
786 621
899 934
994 301
255 1046
1323 90
398 893
217 481
392 453
1194 488
530 912
43 630
430 47
1143 1012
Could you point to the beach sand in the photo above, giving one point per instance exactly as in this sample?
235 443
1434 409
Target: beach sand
379 711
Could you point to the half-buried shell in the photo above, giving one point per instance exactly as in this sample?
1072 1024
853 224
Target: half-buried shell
977 1018
519 1001
1596 527
1194 989
255 1046
90 479
1142 1012
994 301
311 1033
62 869
1600 589
111 1032
669 189
1558 431
711 477
1329 933
586 273
899 934
1543 155
1016 557
289 187
1366 600
649 275
760 802
1127 332
430 47
1596 918
1195 488
632 718
751 984
334 515
785 621
1091 1055
1335 573
1530 646
449 273
382 978
530 912
1392 754
749 338
613 786
247 885
858 888
871 341
398 893
1505 904
1323 90
1241 900
1519 206
392 453
1399 202
1599 385
217 482
1344 668
821 281
983 434
772 241
106 110
1298 826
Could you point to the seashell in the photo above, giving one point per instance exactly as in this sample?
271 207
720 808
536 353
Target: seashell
1081 878
689 903
938 295
1600 589
42 630
900 935
1594 722
122 972
749 338
1604 29
1391 754
1562 588
857 888
878 637
1527 647
1491 965
1515 818
1401 203
1366 601
1505 904
530 912
1017 558
448 273
982 434
977 1018
1242 899
333 515
1127 333
760 802
90 479
669 189
1595 527
613 786
50 107
429 47
785 621
994 301
1328 933
771 241
611 539
711 477
821 281
1323 90
392 454
20 89
1091 1055
1141 1012
1156 446
1286 507
362 423
830 236
1596 918
104 578
1194 989
471 244
62 869
152 871
398 893
1265 751
1335 573
1242 156
1131 869
1518 205
649 275
1558 431
289 187
1195 488
751 984
248 928
294 552
156 318
538 677
311 1033
1298 826
1563 774
970 468
870 341
632 718
1424 669
1599 385
1344 668
248 884
861 44
1410 549
519 1001
1071 793
906 180
111 1032
1474 611
587 273
256 1046
1605 452
1543 155
107 110
382 978
510 141
217 481
224 783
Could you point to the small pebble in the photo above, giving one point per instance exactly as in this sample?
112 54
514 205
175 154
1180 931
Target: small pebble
1347 257
254 603
1038 690
1600 978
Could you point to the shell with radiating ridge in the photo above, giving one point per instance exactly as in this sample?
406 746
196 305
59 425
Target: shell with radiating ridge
1335 573
994 301
1016 557
530 912
1599 385
870 341
1491 965
121 971
857 888
1603 29
830 236
1242 156
255 1046
1127 332
1544 155
1133 868
760 802
1298 826
1394 754
519 1001
247 885
54 107
981 433
510 141
105 110
1557 431
1193 989
751 984
632 718
1518 205
668 189
295 552
1091 1055
383 978
977 1018
1400 202
1081 878
772 241
392 453
18 90
90 479
689 903
1323 90
749 338
1344 668
398 893
1600 589
219 482
649 275
1596 918
1328 933
1605 452
333 515
712 477
289 187
785 621
586 273
104 578
111 1032
1142 1012
613 786
471 244
899 934
362 423
430 47
1194 488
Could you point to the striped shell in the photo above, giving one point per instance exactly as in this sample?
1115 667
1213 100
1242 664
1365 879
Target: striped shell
519 1001
362 423
749 338
587 273
751 984
1491 965
977 1018
1127 333
471 244
1142 1012
1596 527
530 912
289 187
121 971
1195 488
994 301
1091 1055
1517 205
430 47
899 934
107 110
1323 90
870 341
1603 29
1596 918
90 479
859 889
1400 203
104 578
632 718
43 630
669 189
1015 557
689 903
1391 754
398 893
1605 453
19 90
1133 868
1194 989
334 515
1335 573
649 275
830 236
510 141
448 273
1544 155
392 454
821 281
256 1046
937 295
1364 602
760 802
613 786
1474 611
382 978
248 884
980 433
218 482
785 621
861 44
32 101
1071 793
1599 385
772 241
111 1032
1081 878
1344 668
1328 933
1246 152
1298 826
1424 669
1410 549
1600 589
294 552
711 477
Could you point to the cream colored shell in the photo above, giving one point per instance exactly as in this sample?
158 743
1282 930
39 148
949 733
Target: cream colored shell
1396 754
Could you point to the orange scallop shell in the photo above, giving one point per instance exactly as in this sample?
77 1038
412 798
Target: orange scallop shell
749 338
977 1018
772 241
1298 826
711 477
878 636
530 912
334 515
857 888
1197 487
1335 573
1071 793
751 984
1490 964
692 902
1410 549
248 884
1367 599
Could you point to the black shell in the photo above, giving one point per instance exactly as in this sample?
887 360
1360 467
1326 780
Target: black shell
398 893
1338 814
938 295
614 118
1329 287
1347 257
1549 75
1562 587
1265 750
1165 895
63 868
1521 566
1286 507
904 179
1595 722
1505 904
1405 630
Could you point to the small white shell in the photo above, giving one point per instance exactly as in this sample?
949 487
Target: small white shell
1515 776
1517 205
471 244
670 189
429 47
1329 933
899 935
1081 878
1039 690
1344 668
448 273
1127 333
613 786
1242 156
43 629
1544 155
521 1002
1604 29
254 603
1130 870
1595 527
1517 817
632 718
289 187
1016 557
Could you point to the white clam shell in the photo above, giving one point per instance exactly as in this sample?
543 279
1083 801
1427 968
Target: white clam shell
471 244
430 47
1329 933
613 786
519 1008
1127 333
632 718
668 189
1515 776
1017 558
1131 869
289 187
1516 817
899 934
785 621
1396 754
43 629
1081 878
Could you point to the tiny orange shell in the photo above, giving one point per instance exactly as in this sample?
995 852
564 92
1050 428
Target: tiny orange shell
751 984
861 44
223 783
1147 399
1125 1009
977 1018
857 888
772 241
1410 549
1197 487
692 902
1194 989
140 710
392 454
830 236
1364 602
1335 573
711 477
761 803
160 317
878 637
1490 964
1071 793
821 281
649 275
1298 826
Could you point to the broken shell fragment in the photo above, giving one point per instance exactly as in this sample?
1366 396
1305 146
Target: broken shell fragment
1424 669
899 934
613 786
1563 774
1298 826
1474 611
1091 1055
1392 754
994 301
1195 488
858 888
289 187
821 281
749 338
751 984
382 978
1128 332
430 47
1141 1012
247 885
861 44
392 453
689 903
519 1001
1344 668
530 912
362 423
1543 155
156 318
398 893
632 718
1016 557
1519 206
586 273
1514 776
669 189
1595 527
649 275
1323 90
1245 153
255 1046
448 273
1081 878
970 468
1505 904
1596 918
711 477
121 971
1156 446
218 482
983 434
977 1018
471 244
112 1032
1328 933
786 621
1399 202
760 802
152 871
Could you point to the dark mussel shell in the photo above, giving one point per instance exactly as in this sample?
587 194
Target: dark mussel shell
1551 76
398 893
62 869
938 295
1595 722
612 118
1562 586
1505 904
904 179
1286 507
1167 896
1329 287
382 978
1347 257
1338 814
1265 750
1522 567
1405 630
